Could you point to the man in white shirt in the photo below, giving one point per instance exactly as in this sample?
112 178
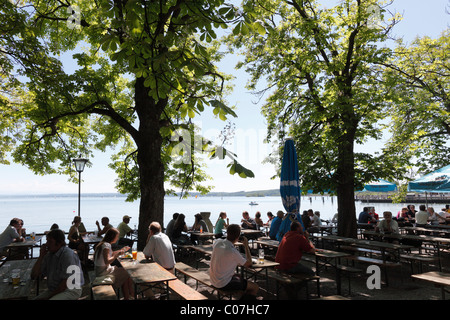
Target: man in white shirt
316 222
10 235
422 216
159 247
224 260
388 225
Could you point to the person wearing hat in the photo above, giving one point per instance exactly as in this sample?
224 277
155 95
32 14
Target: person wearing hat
125 230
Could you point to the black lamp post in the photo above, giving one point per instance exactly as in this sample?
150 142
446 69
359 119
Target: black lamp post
79 166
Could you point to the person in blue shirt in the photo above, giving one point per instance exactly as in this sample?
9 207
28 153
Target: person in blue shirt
286 224
275 225
364 216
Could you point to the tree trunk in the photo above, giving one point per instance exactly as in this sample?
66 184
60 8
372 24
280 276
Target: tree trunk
346 182
151 168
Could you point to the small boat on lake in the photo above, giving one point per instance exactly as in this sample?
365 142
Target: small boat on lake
253 203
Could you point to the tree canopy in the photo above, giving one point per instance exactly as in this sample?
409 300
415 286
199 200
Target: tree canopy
322 75
420 116
143 71
131 75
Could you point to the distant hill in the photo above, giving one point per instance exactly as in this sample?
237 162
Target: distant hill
256 193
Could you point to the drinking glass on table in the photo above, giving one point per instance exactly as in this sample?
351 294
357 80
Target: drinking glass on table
261 256
5 270
15 277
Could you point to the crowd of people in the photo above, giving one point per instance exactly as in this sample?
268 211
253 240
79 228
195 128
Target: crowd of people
226 257
290 229
56 256
408 216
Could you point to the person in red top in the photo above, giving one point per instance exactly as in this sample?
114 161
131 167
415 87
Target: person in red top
291 249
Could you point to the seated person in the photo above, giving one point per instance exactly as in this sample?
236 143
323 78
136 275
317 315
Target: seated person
106 225
76 242
159 247
387 225
221 224
10 234
105 256
247 222
224 260
275 225
258 220
291 249
290 252
58 263
125 230
169 228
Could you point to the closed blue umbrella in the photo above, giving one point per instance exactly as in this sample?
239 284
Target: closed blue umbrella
289 187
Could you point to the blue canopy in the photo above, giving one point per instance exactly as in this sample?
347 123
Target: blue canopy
380 186
289 188
436 181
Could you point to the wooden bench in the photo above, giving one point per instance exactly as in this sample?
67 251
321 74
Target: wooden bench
379 262
203 278
420 259
185 291
283 279
335 297
103 292
349 271
439 279
364 251
101 288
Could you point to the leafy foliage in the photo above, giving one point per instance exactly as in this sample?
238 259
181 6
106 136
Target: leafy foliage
420 123
323 83
165 48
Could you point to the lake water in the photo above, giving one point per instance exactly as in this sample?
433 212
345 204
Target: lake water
40 212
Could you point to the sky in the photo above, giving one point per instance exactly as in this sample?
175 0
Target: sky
420 18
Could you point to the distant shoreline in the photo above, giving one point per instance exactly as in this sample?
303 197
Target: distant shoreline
363 197
258 193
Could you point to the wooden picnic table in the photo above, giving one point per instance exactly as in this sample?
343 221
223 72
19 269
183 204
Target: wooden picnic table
422 230
370 244
28 244
436 241
7 291
201 236
258 268
146 273
328 228
251 234
439 279
268 243
202 249
91 239
438 226
379 246
325 258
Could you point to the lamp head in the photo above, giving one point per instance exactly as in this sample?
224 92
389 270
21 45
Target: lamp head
80 163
